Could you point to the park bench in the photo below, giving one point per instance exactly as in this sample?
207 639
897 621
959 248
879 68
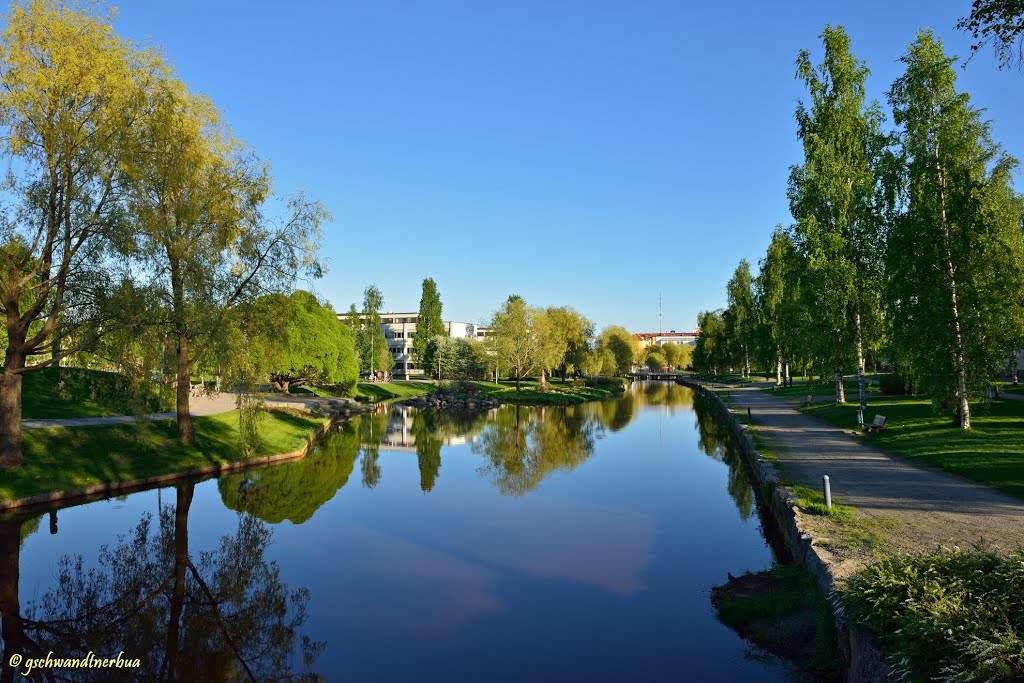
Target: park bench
878 425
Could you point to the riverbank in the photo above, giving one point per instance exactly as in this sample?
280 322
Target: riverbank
863 658
893 509
65 463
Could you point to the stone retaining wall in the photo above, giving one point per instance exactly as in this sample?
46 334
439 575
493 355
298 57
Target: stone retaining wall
865 660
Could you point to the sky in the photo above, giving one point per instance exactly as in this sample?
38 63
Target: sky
590 153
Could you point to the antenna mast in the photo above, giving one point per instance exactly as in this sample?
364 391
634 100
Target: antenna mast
659 313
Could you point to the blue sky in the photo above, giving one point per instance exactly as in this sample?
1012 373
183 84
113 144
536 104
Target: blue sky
585 153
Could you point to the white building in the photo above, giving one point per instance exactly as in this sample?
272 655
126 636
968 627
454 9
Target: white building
399 328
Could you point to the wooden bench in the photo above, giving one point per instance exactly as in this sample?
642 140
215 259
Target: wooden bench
878 425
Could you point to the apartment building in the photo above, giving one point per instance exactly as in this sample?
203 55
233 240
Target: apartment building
399 328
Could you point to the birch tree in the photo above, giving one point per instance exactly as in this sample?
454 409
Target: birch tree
833 197
956 254
739 291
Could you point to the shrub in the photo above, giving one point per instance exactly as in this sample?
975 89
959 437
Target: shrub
951 615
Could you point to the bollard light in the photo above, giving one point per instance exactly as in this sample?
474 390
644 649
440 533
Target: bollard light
828 492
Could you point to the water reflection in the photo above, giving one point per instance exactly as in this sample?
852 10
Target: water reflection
522 447
715 440
218 615
295 491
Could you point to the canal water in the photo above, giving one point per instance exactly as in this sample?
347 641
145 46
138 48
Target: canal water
556 544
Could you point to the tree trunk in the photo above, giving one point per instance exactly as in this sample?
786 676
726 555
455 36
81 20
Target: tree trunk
186 434
10 604
181 508
10 413
1013 367
862 380
840 389
778 372
960 356
519 372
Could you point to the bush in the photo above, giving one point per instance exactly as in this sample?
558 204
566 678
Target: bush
951 615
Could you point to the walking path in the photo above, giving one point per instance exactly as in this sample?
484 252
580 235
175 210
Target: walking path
916 508
202 405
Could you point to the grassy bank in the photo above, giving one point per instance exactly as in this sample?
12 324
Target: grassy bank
557 393
59 459
990 453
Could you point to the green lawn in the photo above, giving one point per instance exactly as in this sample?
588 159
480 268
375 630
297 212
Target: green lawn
77 392
64 458
990 453
559 393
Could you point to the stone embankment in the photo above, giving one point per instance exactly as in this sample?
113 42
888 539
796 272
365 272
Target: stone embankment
865 661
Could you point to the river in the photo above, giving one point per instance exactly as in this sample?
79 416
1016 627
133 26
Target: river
576 543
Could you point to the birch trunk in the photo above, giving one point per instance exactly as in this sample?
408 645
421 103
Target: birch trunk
862 379
840 389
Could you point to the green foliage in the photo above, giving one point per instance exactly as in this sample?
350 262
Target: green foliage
710 354
429 324
298 340
956 254
622 344
373 348
837 199
950 615
295 491
455 358
999 23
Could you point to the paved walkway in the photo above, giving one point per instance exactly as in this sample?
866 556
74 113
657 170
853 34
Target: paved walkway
202 405
918 508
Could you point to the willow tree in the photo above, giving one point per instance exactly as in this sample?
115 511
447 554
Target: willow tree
199 199
69 99
956 255
834 198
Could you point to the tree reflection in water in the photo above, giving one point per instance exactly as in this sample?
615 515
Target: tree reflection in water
524 446
295 491
715 440
223 615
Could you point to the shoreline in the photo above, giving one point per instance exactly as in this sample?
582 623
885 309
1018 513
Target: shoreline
49 500
864 659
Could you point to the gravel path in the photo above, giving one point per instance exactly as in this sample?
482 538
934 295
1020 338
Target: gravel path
917 508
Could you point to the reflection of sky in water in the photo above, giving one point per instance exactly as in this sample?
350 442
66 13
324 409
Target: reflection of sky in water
601 573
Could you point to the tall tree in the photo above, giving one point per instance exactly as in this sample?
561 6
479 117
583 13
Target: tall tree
198 198
70 94
778 300
956 255
999 23
709 354
373 347
429 323
833 197
514 339
741 306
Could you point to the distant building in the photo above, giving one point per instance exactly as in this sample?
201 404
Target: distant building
399 328
647 339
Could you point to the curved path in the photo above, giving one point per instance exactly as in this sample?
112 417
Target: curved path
202 405
917 508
